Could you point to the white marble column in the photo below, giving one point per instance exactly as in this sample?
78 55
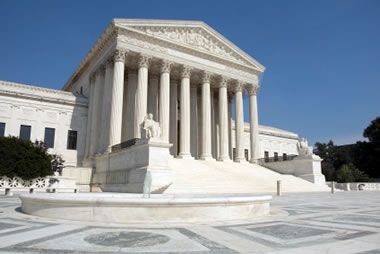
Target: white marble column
199 123
216 122
173 133
96 113
223 121
124 130
239 123
164 107
253 123
141 98
106 107
184 145
89 113
206 118
230 132
153 95
117 93
214 149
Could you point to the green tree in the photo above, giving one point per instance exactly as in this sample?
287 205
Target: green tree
24 159
57 163
349 173
372 132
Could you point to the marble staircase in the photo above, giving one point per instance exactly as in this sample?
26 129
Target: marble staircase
199 177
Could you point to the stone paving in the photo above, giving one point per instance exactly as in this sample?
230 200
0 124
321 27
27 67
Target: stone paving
346 222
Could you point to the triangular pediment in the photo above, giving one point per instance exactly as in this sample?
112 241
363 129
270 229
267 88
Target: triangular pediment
191 34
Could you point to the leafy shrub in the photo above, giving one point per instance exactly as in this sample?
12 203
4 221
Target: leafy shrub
57 164
349 173
24 159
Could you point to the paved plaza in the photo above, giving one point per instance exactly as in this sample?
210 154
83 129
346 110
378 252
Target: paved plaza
346 222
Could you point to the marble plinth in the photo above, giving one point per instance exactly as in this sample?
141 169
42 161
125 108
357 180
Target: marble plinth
124 169
305 167
126 208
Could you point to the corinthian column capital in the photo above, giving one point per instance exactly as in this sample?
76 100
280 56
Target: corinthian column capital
165 66
119 55
143 61
239 86
223 82
252 90
206 76
186 71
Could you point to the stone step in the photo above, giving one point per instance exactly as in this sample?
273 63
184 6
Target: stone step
217 177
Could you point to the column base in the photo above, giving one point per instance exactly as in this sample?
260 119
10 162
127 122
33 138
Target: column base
224 159
185 156
240 160
206 158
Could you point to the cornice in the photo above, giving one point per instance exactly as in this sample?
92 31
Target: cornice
270 131
98 46
114 29
47 95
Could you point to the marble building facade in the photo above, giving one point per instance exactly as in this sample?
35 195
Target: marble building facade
187 75
183 72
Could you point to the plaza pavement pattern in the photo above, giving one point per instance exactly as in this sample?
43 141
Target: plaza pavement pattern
345 222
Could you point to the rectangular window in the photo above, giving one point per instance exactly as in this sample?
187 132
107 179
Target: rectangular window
284 157
72 140
234 153
49 137
266 156
246 154
2 129
275 156
25 131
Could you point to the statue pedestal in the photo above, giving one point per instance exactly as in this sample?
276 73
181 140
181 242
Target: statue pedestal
124 168
307 167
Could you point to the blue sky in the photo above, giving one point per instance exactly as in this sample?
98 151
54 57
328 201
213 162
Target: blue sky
322 57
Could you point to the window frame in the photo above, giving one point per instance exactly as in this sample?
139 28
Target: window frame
45 137
275 156
27 127
2 129
69 145
266 156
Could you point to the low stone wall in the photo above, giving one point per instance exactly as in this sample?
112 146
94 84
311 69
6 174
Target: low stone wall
360 186
132 208
81 175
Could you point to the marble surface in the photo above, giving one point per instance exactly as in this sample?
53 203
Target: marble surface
127 208
345 222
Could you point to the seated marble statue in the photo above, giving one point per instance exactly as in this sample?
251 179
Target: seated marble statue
303 148
150 128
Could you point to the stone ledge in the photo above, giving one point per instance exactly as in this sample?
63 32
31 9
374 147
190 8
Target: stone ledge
126 208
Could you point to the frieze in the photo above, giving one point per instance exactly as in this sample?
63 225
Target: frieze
154 44
142 44
195 37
